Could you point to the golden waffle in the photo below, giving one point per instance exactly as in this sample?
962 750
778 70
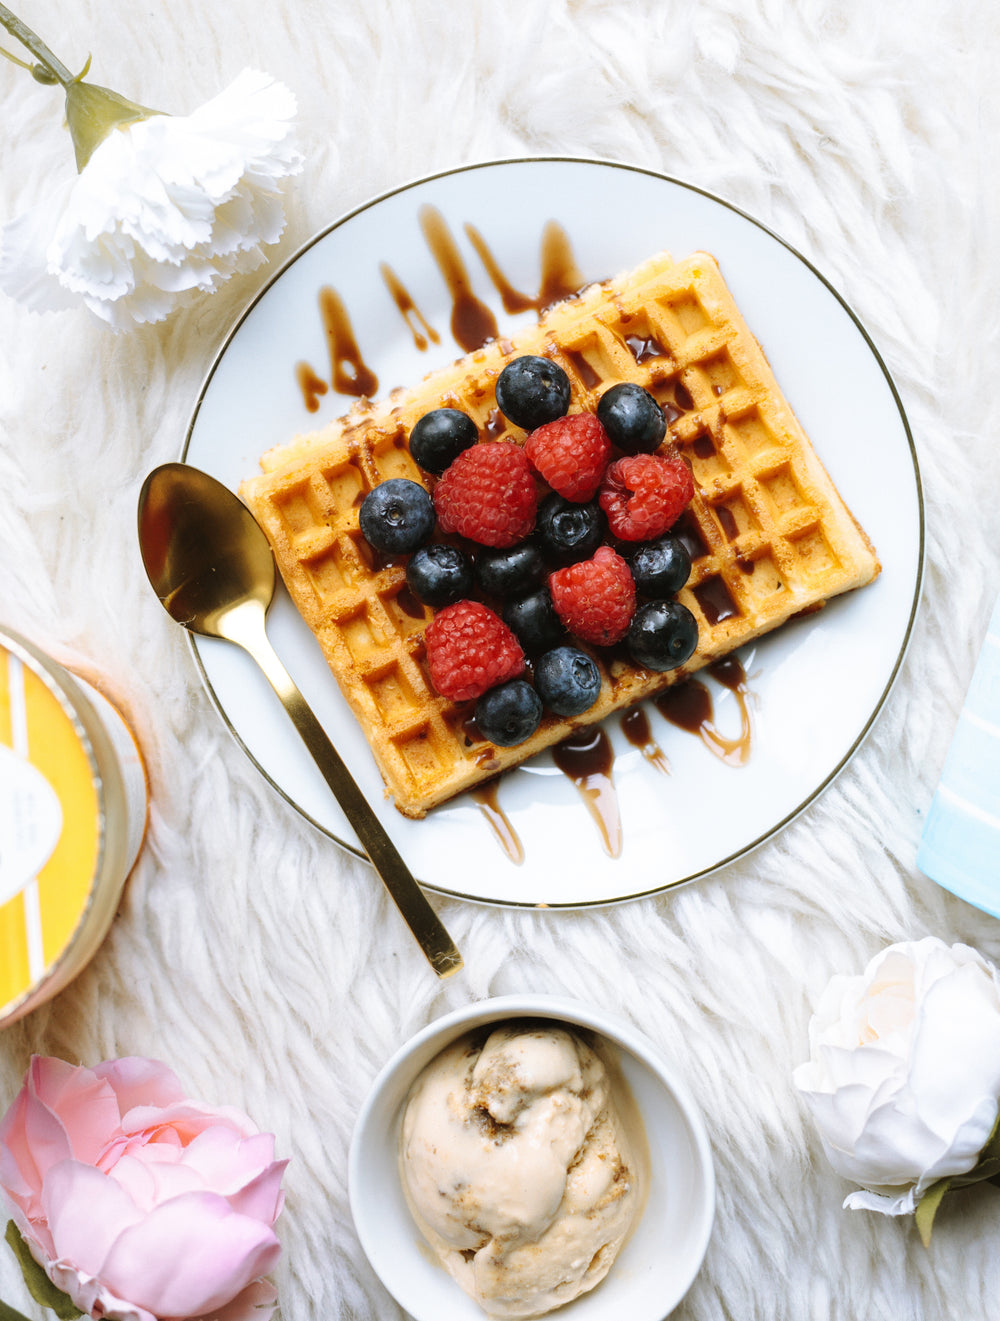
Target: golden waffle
769 534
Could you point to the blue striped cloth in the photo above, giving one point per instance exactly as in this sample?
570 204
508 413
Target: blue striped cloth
960 848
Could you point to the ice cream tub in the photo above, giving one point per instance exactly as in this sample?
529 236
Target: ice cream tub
73 810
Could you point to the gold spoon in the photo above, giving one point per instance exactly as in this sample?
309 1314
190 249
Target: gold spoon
211 566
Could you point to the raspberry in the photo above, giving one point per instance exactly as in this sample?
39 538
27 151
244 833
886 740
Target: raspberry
469 650
644 494
595 598
571 455
488 494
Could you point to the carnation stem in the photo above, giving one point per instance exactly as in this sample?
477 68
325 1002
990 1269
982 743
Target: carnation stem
8 1313
49 63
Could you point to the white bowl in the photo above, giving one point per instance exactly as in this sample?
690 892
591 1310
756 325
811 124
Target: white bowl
665 1250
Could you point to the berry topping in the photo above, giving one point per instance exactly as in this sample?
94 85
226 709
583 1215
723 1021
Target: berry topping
397 516
644 494
509 570
439 575
662 635
595 599
533 618
661 568
439 437
571 454
509 713
488 494
632 418
532 391
567 680
470 649
569 531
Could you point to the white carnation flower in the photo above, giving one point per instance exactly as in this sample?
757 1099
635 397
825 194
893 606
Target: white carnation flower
163 208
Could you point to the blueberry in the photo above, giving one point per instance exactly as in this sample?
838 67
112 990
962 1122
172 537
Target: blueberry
532 391
632 418
511 570
439 575
662 635
567 680
534 620
439 437
397 516
509 713
660 568
569 532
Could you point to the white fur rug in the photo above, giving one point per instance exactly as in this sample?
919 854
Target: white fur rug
262 962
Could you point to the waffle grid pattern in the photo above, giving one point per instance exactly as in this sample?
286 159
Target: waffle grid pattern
769 534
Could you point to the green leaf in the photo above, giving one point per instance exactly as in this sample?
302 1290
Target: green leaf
8 1314
927 1209
986 1169
39 1285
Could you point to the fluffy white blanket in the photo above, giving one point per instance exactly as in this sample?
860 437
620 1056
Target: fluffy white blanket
252 954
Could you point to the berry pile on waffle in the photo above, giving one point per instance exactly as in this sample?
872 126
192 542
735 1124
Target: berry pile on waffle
555 527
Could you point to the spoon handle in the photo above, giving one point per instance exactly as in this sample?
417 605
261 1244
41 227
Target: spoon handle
407 895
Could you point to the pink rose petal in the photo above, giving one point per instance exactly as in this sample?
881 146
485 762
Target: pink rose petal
189 1256
86 1212
226 1161
137 1081
262 1199
255 1303
83 1104
187 1119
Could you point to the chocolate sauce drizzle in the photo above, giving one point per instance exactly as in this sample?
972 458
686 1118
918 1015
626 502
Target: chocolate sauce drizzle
560 277
472 323
349 373
689 706
418 325
636 728
587 758
488 800
311 385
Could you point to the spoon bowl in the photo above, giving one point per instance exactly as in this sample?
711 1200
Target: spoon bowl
211 566
200 578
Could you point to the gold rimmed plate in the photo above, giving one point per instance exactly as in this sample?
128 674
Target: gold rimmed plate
405 283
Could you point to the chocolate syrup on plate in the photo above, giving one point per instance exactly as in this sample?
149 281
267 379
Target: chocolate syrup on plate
636 728
488 801
560 276
418 325
587 758
472 322
311 385
689 706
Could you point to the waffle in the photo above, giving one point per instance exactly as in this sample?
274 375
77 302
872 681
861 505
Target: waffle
768 532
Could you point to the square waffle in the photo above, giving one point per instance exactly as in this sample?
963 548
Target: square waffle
769 535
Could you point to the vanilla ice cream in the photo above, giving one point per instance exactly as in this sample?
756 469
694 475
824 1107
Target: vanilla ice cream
517 1166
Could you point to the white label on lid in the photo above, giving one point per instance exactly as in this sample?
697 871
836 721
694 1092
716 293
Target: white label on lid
30 822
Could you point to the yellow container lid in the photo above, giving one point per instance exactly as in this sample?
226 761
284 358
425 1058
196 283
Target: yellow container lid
68 823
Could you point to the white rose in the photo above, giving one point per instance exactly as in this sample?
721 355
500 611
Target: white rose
903 1078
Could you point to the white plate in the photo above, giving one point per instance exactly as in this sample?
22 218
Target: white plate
816 685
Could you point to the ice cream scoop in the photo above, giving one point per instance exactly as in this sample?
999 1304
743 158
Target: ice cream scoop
517 1166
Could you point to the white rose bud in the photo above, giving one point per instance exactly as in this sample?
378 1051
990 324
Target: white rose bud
903 1078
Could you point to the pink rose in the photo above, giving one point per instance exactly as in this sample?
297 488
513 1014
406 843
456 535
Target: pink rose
137 1202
